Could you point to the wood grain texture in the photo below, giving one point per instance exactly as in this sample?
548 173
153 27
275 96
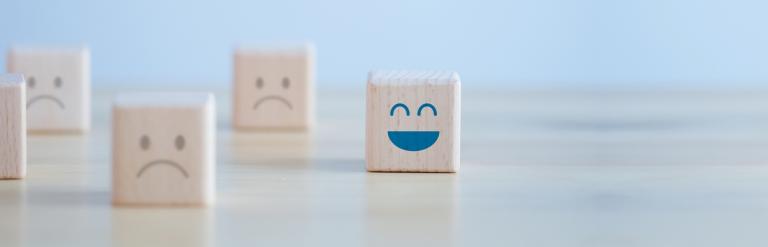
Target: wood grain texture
540 167
274 89
13 134
413 121
164 149
58 87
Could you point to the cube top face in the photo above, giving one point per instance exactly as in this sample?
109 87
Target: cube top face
164 149
413 77
413 121
12 127
11 80
273 89
58 87
163 100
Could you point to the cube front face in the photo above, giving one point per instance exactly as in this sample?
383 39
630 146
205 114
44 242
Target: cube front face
163 156
412 128
12 128
58 88
273 90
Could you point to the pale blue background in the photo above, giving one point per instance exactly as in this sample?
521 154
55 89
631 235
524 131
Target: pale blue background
491 43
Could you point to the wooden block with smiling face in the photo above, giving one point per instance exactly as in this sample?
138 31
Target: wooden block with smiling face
13 134
163 149
58 87
413 121
273 88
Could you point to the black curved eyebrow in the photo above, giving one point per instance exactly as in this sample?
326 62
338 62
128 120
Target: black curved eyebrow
434 110
401 105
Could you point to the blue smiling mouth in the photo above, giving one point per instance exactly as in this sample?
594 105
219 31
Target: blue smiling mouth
413 140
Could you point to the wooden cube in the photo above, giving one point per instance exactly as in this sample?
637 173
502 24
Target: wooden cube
273 88
58 87
13 133
163 149
413 121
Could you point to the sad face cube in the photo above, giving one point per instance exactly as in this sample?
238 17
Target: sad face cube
273 88
58 87
163 149
413 121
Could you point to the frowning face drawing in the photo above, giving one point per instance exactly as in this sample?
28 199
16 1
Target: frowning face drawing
277 96
52 97
160 162
273 89
145 142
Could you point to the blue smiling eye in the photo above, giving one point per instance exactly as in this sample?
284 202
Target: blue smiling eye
425 105
399 105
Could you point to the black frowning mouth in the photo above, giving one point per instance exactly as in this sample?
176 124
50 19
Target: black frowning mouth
45 97
163 162
273 98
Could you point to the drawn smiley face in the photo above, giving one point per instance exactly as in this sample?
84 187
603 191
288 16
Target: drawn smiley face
145 143
285 84
56 84
413 140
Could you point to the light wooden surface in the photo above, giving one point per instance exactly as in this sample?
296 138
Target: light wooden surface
539 168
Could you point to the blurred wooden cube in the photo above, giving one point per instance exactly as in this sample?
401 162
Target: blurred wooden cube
274 88
58 87
13 133
163 149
